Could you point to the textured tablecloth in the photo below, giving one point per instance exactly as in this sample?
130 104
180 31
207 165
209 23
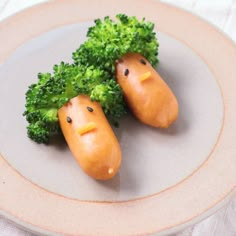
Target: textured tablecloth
221 13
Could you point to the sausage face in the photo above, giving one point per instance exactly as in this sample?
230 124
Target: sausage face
148 96
90 137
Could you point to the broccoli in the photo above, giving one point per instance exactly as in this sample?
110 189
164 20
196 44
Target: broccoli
91 74
109 40
52 91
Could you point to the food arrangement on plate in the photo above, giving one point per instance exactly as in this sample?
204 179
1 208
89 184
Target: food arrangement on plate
113 71
187 168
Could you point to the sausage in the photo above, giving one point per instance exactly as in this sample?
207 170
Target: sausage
148 96
90 137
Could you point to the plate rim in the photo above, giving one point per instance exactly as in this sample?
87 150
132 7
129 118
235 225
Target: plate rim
51 5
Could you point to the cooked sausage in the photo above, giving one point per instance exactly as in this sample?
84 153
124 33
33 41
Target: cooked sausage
90 137
148 96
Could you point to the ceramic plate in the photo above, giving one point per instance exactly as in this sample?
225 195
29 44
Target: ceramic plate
169 178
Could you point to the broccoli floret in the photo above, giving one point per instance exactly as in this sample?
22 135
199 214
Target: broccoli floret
92 73
110 97
109 40
52 91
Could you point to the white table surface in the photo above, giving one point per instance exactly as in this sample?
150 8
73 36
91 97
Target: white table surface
221 13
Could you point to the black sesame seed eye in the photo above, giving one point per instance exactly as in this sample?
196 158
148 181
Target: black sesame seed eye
126 72
90 109
143 61
68 119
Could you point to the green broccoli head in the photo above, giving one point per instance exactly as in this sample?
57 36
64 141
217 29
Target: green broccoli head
52 91
110 97
92 74
113 39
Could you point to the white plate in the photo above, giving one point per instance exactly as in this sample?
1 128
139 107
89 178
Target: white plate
168 178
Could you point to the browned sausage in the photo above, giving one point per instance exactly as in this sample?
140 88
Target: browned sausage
90 137
148 96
